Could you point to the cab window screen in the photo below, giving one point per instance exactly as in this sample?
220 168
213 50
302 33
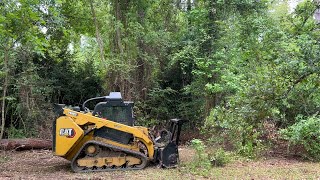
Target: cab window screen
117 114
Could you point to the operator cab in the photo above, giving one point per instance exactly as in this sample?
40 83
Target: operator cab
113 108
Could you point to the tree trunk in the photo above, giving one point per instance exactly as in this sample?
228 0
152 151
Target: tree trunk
141 79
4 94
209 48
118 31
25 144
98 35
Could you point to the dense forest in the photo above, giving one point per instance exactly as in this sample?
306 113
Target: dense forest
244 73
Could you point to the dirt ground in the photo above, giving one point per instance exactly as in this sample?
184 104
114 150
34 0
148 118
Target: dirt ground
41 164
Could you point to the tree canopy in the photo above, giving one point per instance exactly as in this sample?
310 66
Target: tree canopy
229 67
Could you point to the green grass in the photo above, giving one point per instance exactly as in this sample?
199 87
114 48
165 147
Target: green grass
4 158
265 172
251 170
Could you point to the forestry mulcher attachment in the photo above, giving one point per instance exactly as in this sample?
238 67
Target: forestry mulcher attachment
105 139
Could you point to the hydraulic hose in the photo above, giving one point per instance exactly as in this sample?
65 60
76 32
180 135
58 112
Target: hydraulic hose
91 99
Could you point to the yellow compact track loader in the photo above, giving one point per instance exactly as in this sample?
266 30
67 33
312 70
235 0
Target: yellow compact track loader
105 139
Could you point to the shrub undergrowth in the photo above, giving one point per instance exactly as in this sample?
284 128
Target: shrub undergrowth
305 132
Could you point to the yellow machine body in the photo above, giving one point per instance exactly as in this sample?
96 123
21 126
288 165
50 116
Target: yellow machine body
93 142
69 134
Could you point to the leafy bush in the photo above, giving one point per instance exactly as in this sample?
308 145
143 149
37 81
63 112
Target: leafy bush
204 159
305 132
158 107
201 165
15 133
219 157
235 127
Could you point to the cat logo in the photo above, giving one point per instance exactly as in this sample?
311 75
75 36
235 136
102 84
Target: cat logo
68 132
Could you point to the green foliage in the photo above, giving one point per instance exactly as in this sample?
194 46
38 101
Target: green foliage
201 164
219 157
203 161
262 71
232 126
15 133
4 158
228 66
305 132
40 67
155 111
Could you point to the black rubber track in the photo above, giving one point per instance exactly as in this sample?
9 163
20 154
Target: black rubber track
143 158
